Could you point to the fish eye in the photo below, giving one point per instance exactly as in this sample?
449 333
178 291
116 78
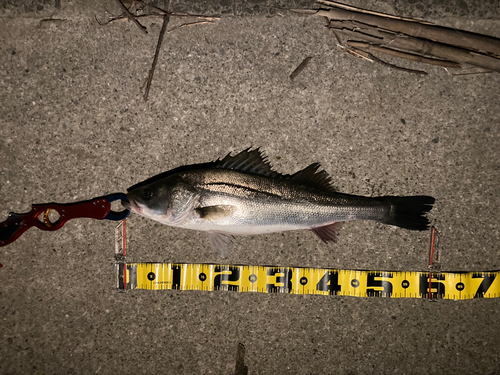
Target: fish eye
147 194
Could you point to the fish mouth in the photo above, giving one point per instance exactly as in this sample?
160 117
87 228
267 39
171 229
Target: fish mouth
132 205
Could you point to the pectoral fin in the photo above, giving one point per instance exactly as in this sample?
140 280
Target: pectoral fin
212 213
221 243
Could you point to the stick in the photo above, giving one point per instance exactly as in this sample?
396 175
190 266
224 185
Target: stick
471 73
300 68
459 38
358 53
189 24
362 55
403 55
162 11
121 18
240 368
131 17
166 18
360 10
420 46
178 14
374 58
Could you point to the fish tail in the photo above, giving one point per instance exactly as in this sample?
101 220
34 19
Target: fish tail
408 212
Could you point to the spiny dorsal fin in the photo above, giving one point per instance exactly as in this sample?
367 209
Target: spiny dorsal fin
310 176
253 161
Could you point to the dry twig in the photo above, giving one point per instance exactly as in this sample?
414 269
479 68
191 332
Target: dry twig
471 73
166 19
176 14
351 49
360 10
377 36
412 39
300 68
240 368
189 24
368 55
403 55
123 17
458 38
131 17
165 14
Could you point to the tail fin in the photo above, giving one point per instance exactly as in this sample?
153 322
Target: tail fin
408 212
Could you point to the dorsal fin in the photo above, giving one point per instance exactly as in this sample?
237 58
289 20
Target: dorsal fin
249 161
310 176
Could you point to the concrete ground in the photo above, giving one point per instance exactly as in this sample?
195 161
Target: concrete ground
73 125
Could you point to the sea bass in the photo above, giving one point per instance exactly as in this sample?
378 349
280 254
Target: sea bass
243 195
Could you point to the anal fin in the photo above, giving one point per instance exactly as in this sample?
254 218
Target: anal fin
328 233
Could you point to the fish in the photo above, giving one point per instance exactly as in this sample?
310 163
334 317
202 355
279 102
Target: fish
243 195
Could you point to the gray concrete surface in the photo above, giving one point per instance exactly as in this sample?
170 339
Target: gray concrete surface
74 126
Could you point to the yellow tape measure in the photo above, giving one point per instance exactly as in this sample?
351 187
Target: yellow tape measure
296 280
319 281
